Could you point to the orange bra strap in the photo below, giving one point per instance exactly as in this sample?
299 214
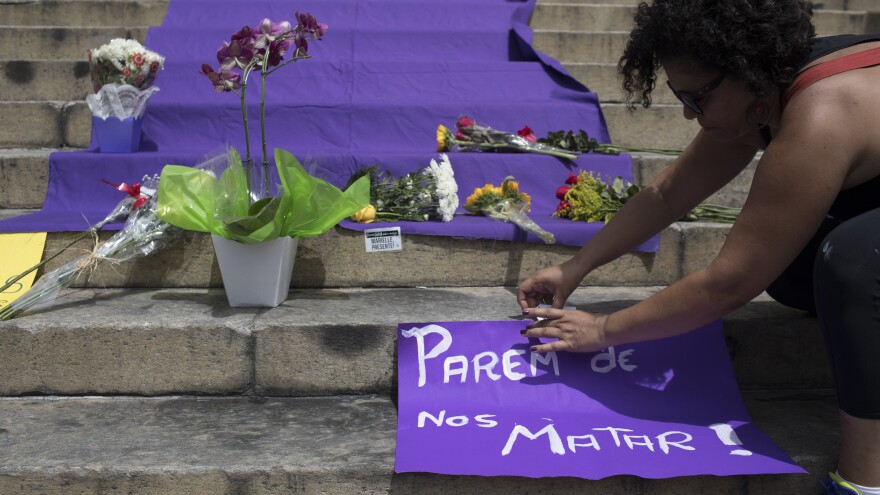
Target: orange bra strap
858 60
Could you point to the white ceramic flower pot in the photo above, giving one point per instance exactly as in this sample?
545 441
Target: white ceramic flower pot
256 275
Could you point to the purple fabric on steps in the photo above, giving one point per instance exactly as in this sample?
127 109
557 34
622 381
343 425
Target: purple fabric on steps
386 74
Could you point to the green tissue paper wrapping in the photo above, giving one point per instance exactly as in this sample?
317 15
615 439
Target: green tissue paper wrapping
193 198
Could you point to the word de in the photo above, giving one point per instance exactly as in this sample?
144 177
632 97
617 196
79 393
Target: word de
605 362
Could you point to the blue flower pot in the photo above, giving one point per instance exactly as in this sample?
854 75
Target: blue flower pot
117 136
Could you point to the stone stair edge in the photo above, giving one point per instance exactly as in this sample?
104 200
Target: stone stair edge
338 258
268 447
69 125
173 341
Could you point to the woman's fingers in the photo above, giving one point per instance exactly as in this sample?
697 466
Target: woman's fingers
530 294
556 345
547 313
542 331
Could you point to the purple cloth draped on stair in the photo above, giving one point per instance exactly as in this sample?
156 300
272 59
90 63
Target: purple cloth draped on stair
386 74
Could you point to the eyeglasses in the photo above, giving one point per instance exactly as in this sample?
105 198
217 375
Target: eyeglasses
691 99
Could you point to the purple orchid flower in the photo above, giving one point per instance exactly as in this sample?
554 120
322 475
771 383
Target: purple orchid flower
223 81
302 46
269 31
235 54
307 22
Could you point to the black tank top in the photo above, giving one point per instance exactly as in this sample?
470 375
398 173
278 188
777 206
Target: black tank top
865 196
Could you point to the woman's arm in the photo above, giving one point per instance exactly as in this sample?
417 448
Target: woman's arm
703 168
795 183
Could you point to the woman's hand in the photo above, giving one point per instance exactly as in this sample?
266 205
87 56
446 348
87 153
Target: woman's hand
548 286
575 331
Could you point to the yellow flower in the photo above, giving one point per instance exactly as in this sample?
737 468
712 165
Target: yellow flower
443 135
367 214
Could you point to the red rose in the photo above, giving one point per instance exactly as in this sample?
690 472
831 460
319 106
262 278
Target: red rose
527 134
464 122
572 179
560 192
563 205
461 136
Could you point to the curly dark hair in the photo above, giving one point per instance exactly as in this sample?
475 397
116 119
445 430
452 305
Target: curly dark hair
762 42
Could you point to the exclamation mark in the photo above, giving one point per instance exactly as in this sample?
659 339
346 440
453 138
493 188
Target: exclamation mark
728 437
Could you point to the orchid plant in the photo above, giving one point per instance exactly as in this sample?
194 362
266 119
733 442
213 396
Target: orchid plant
263 49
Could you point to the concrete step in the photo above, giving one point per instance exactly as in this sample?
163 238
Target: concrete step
59 42
68 81
604 17
24 178
83 12
319 342
338 259
39 124
818 6
44 80
326 446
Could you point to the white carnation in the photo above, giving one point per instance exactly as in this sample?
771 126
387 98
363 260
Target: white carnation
447 188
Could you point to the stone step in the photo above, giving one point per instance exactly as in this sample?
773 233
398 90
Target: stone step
604 17
68 81
60 13
59 42
818 6
338 259
606 45
24 178
326 446
319 342
41 124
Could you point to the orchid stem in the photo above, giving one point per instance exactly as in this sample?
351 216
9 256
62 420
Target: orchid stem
263 75
247 138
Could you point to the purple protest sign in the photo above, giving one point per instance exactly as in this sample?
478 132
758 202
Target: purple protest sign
474 400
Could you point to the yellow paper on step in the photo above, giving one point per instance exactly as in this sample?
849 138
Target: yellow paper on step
18 252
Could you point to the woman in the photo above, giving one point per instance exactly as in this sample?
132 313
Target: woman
755 78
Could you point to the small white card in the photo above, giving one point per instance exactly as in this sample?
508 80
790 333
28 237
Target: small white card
387 239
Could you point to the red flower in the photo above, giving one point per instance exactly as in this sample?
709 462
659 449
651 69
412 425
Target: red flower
562 206
572 179
527 134
460 136
154 66
464 122
138 59
126 72
560 192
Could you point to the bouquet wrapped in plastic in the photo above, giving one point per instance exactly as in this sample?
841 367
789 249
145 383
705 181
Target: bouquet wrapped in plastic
430 192
472 137
143 234
123 73
214 197
508 204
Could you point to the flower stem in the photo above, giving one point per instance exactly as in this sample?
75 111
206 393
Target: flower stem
12 281
500 146
247 138
263 75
